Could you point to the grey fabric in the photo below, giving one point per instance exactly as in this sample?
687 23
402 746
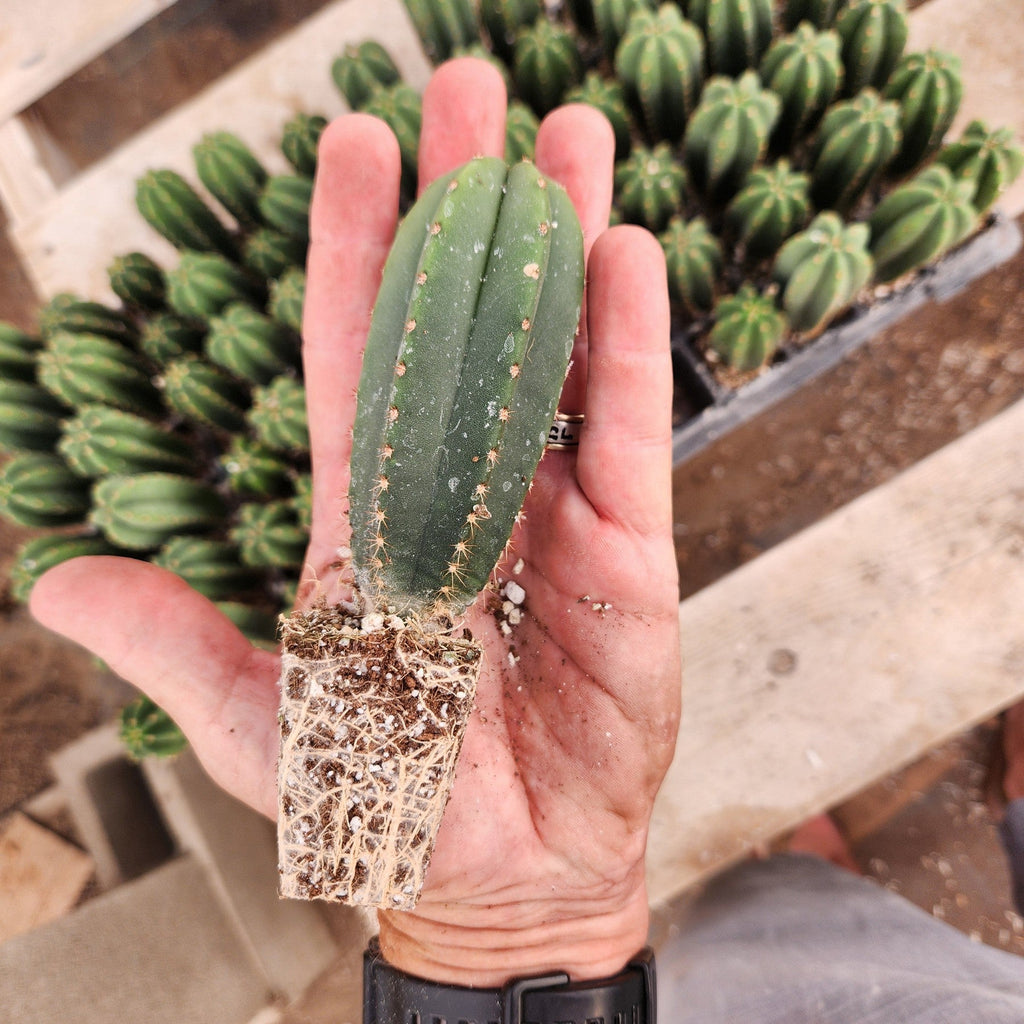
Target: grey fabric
1011 831
795 940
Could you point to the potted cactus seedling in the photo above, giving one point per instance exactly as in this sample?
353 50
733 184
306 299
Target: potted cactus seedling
466 355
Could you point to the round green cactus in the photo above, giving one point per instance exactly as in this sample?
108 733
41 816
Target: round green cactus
42 553
737 32
820 270
728 134
747 330
873 34
39 490
138 281
167 336
546 65
30 417
284 204
18 353
773 204
503 19
253 469
608 96
928 87
919 221
611 18
203 284
251 345
173 208
521 126
401 108
660 61
287 296
443 25
69 313
212 567
278 415
989 159
206 394
146 730
269 535
649 186
232 174
269 252
359 71
694 260
819 13
300 139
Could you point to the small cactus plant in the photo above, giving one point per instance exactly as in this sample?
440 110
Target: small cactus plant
547 64
521 125
360 70
255 470
989 159
213 567
773 204
284 204
251 345
173 208
611 19
649 186
30 417
748 329
278 415
166 336
148 731
737 32
818 13
608 96
300 139
503 19
694 261
269 535
203 284
70 314
232 174
41 491
400 106
206 394
41 553
138 281
873 34
443 25
287 296
18 353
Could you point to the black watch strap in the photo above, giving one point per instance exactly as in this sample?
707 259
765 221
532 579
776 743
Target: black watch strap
391 996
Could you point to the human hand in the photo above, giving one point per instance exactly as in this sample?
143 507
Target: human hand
539 862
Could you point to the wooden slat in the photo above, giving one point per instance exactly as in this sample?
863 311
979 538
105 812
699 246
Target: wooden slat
67 244
41 44
26 184
847 652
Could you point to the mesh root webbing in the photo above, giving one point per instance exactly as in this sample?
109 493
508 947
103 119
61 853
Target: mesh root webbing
371 728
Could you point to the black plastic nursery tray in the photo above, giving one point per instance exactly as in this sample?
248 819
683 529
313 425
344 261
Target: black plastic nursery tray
722 409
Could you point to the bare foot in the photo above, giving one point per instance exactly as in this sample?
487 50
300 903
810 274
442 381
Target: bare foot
820 836
1013 752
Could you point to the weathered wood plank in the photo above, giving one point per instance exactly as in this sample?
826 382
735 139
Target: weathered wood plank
847 652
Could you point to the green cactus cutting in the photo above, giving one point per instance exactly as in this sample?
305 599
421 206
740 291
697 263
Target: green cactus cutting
919 221
989 159
84 368
521 126
928 87
203 284
649 186
251 345
855 142
737 32
660 61
145 511
232 174
253 469
146 730
773 204
167 336
212 567
820 270
873 34
694 261
269 252
608 96
138 281
300 139
30 417
269 535
728 134
278 415
99 441
39 490
206 394
18 353
359 71
287 296
68 313
42 553
503 19
805 71
748 329
546 65
173 208
401 108
819 13
443 25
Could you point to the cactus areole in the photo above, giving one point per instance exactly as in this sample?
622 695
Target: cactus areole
467 352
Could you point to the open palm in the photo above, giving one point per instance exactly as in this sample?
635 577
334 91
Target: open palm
539 863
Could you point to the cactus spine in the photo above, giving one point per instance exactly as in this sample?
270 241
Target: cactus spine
649 186
873 34
694 261
747 330
990 160
771 206
737 32
546 65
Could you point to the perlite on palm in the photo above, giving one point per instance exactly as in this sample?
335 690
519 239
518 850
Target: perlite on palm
466 356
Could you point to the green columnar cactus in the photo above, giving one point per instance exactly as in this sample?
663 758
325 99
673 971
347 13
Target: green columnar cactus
167 336
39 490
300 139
42 553
99 441
278 415
68 313
608 96
611 18
990 160
172 207
213 567
30 417
748 329
251 345
18 353
504 18
515 234
873 34
546 64
728 134
203 284
805 71
660 61
919 221
138 281
269 536
360 70
737 32
206 394
255 470
928 88
401 108
521 126
443 25
145 511
284 204
855 142
820 13
820 270
269 253
84 368
773 203
694 260
148 731
287 295
649 186
232 174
